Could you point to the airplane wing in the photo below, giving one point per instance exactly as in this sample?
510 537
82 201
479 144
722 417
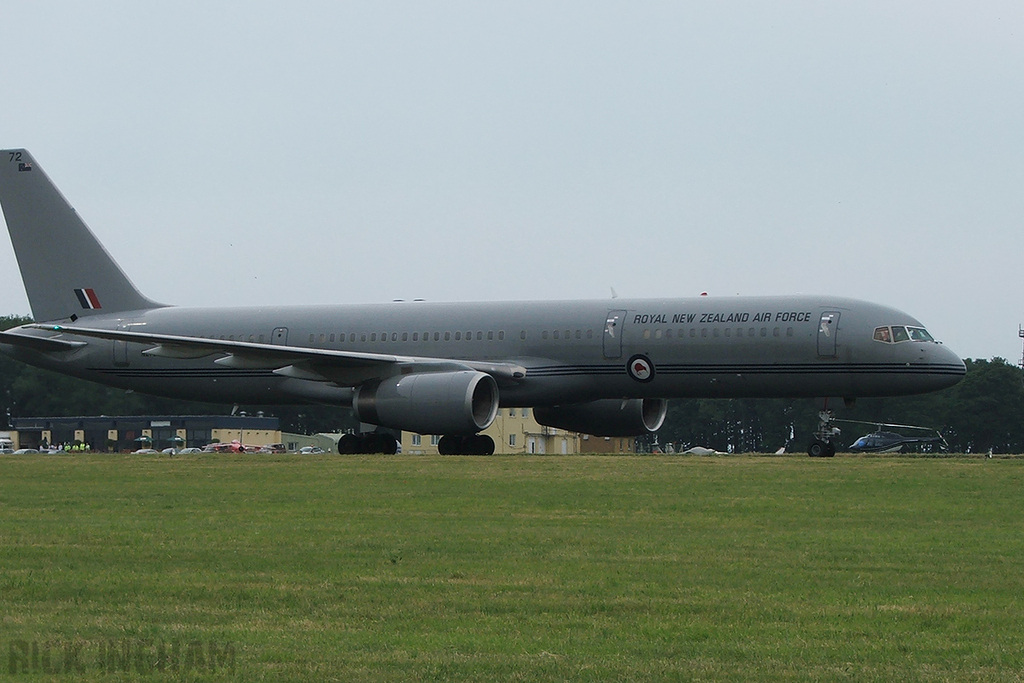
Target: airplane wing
345 368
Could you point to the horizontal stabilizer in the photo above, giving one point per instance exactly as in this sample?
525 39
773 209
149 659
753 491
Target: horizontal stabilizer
44 344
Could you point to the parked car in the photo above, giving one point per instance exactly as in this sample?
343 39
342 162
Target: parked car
311 450
146 451
26 451
189 451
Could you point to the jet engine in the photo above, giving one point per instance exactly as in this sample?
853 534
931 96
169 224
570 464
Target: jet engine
462 402
607 417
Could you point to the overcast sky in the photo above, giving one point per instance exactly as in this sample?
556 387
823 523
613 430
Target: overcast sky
327 152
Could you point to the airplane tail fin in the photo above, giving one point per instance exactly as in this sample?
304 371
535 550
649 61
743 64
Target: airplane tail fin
66 270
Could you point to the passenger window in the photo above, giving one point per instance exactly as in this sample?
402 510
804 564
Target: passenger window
554 335
458 336
750 332
490 335
352 336
789 331
362 337
578 334
647 334
501 335
437 336
775 332
479 336
415 336
728 332
657 334
312 338
373 337
882 335
332 337
544 334
703 332
405 336
447 336
522 335
764 331
668 333
899 334
394 336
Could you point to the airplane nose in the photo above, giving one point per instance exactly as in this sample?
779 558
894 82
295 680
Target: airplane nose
948 364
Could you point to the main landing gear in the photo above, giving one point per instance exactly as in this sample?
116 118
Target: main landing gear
368 442
824 445
477 444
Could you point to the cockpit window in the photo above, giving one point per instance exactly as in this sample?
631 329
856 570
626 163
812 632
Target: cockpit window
919 334
899 333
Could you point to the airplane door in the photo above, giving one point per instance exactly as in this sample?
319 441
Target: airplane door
280 336
613 334
828 325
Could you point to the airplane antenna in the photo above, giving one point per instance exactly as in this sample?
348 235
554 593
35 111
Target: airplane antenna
615 295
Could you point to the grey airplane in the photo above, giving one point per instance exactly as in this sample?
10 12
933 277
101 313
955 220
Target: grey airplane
599 367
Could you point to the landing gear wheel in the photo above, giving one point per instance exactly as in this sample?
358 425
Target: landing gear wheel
484 445
823 445
449 445
348 444
389 444
371 443
474 444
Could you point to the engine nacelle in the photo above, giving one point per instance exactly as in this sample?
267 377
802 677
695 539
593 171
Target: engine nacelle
607 417
462 402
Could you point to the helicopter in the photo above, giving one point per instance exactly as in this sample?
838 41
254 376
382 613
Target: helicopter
883 441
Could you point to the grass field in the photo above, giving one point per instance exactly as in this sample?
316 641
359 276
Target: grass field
511 568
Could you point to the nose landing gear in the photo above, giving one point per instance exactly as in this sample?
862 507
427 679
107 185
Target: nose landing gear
823 445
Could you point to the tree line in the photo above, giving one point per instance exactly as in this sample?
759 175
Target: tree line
984 411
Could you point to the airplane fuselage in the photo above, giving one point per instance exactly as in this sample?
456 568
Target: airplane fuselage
573 351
